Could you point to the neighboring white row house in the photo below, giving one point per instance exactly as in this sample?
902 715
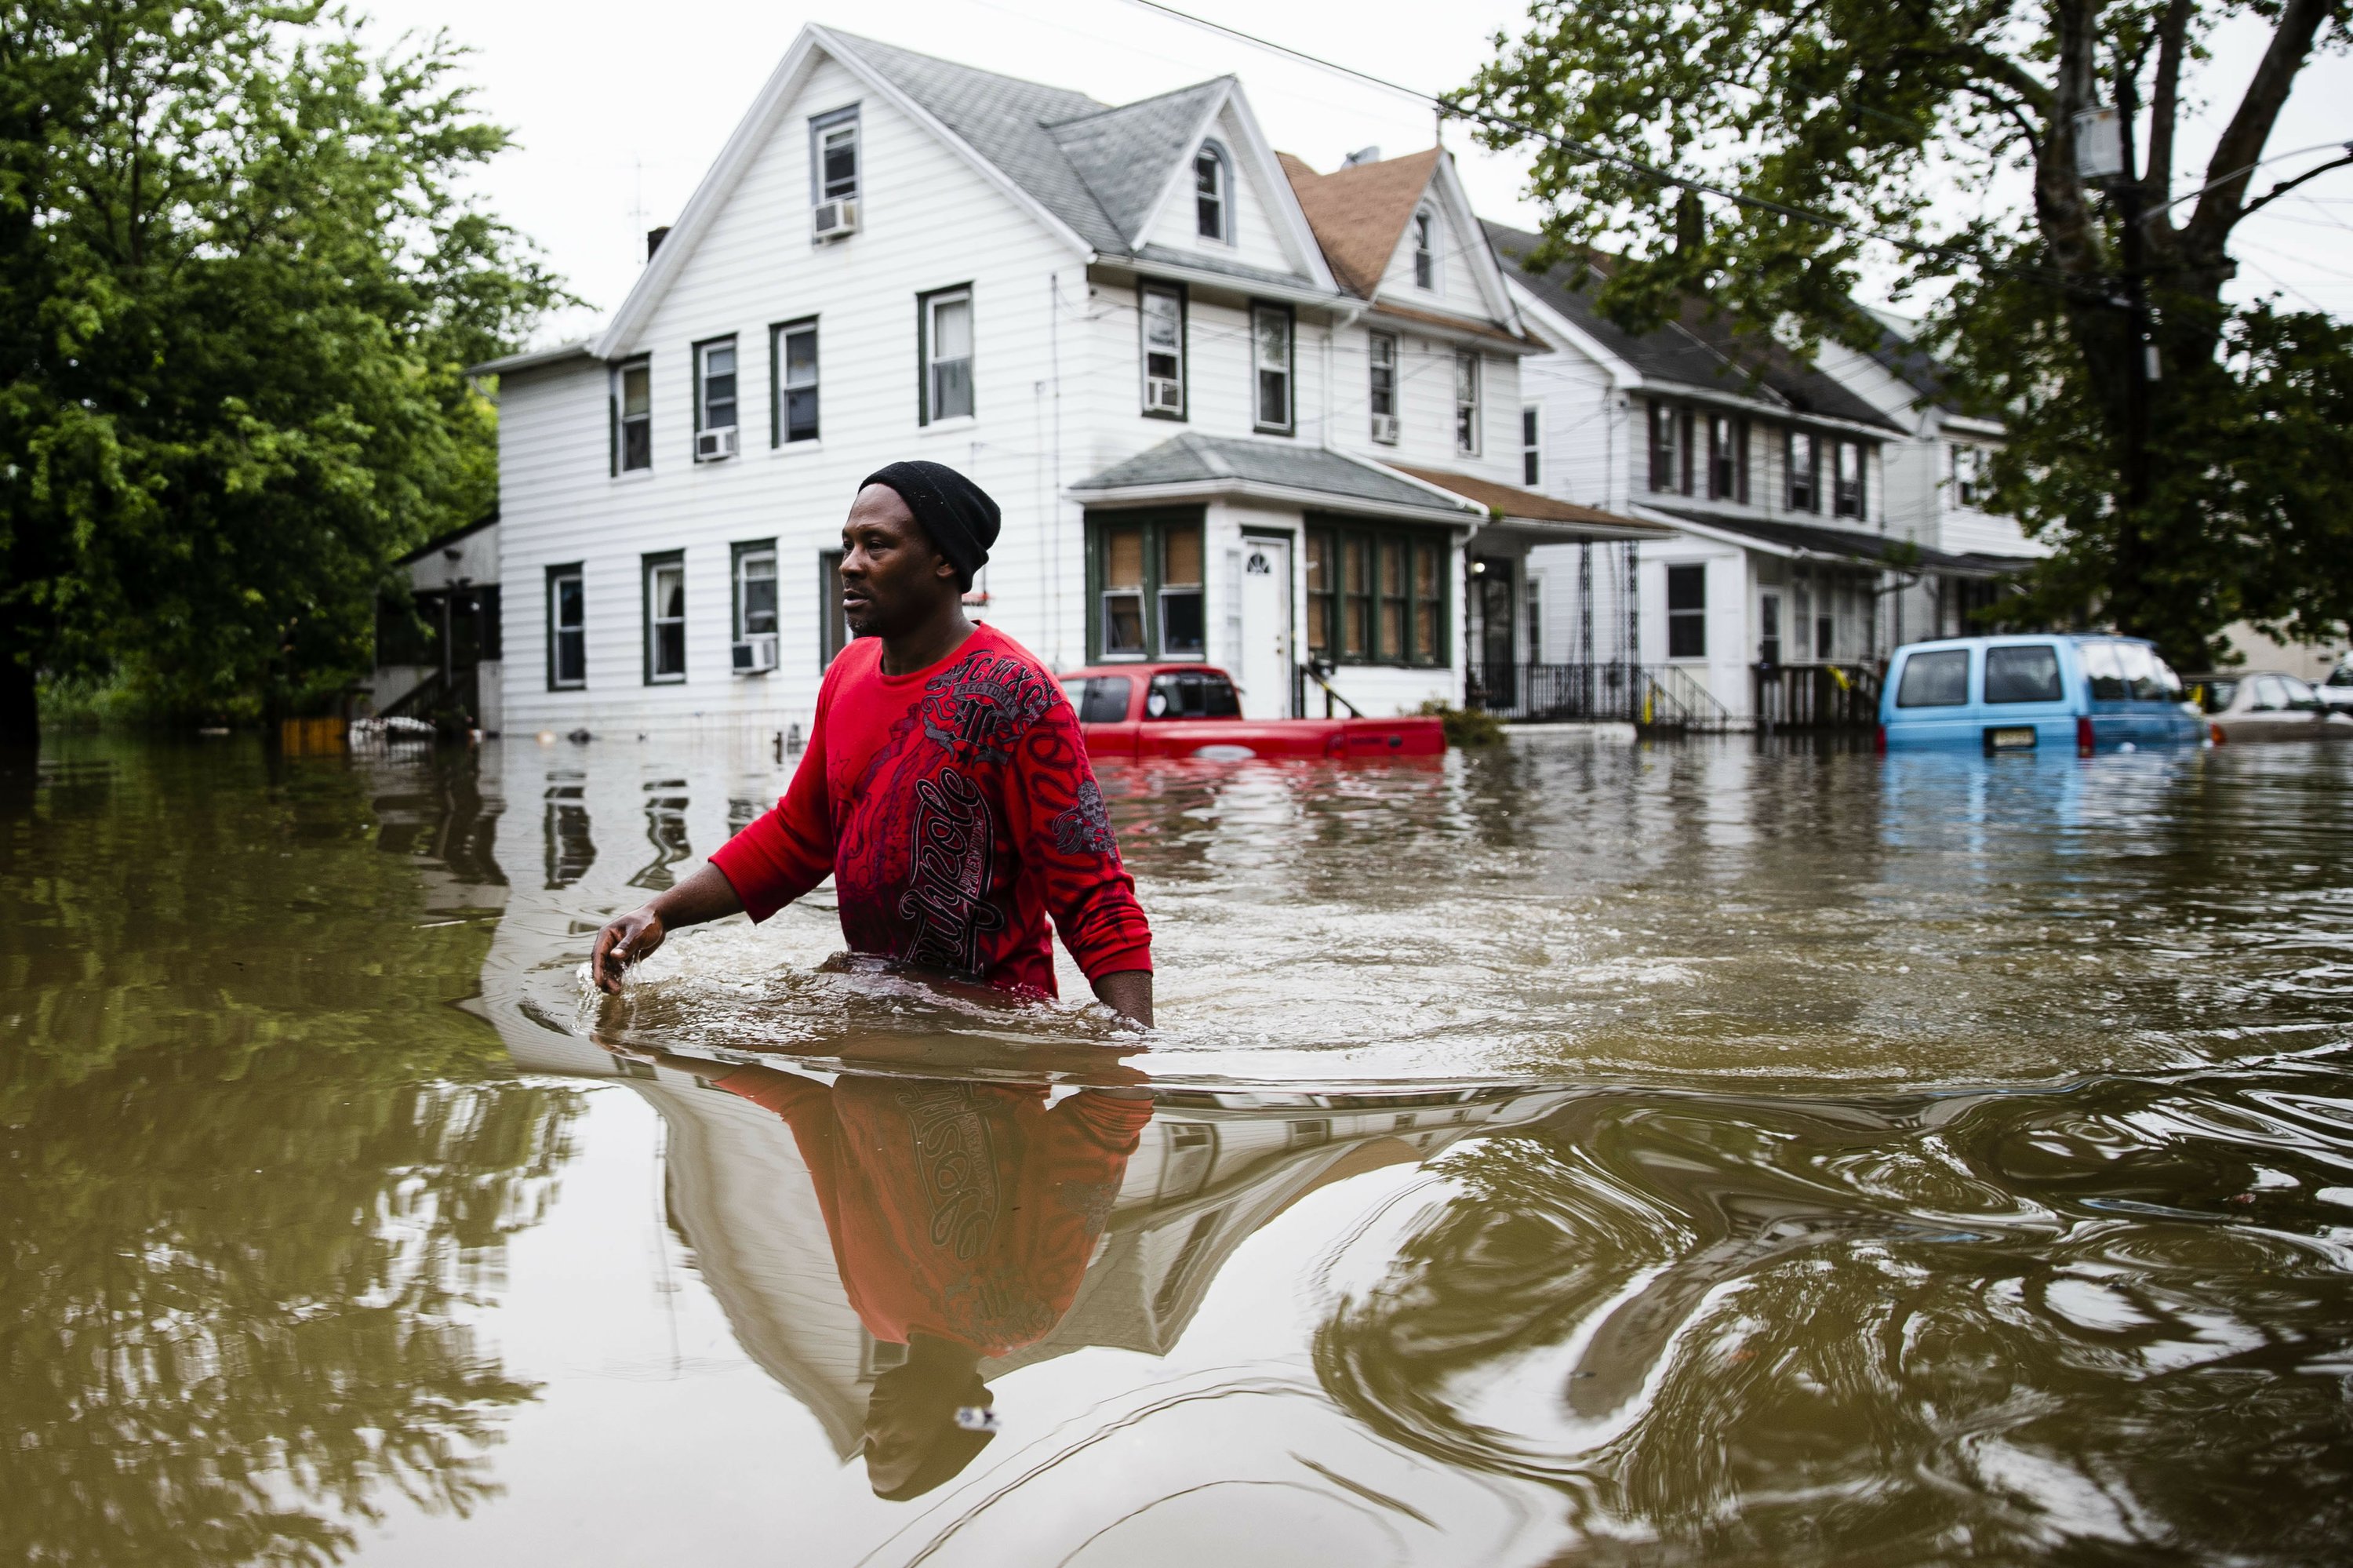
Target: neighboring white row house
1209 441
1805 537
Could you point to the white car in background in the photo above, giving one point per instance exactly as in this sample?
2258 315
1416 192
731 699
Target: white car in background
2335 688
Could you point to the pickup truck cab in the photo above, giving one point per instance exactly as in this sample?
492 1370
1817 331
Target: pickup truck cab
1192 710
2041 693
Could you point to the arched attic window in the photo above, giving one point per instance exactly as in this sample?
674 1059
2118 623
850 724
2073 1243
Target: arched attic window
1425 250
1213 194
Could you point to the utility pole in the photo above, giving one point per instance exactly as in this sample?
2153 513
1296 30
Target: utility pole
2103 159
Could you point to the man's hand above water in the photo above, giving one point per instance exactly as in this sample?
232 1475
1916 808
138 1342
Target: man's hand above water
629 938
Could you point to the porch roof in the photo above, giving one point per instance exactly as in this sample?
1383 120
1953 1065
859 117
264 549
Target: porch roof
1812 540
1193 467
1557 521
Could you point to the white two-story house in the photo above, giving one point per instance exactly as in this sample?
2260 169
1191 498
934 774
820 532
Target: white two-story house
1786 578
1208 442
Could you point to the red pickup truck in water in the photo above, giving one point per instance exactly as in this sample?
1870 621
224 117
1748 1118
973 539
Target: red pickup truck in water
1191 710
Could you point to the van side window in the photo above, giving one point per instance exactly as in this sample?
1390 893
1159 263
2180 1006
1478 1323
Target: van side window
2139 666
1939 679
2105 671
2028 674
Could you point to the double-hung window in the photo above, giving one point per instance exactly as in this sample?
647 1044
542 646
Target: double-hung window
943 324
1377 595
1271 364
1466 401
1727 458
633 416
1687 612
665 600
1847 497
833 164
568 628
792 382
1425 250
1969 476
1803 459
1531 441
1212 199
1382 349
755 604
715 387
833 620
1146 569
1160 308
1671 442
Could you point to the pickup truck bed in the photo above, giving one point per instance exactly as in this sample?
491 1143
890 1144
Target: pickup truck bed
1190 710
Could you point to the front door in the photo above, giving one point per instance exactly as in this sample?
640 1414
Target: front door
1265 676
1491 605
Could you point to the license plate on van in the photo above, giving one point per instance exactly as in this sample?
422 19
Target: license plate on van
2017 738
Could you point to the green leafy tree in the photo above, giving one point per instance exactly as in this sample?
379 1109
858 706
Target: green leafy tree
238 286
2222 489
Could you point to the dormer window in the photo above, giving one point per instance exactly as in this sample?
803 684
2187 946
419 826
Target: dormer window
1212 195
1425 250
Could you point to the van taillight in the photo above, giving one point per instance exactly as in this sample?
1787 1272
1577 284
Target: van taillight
1881 745
2083 736
2216 731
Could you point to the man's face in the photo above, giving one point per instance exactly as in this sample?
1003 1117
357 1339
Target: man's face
893 577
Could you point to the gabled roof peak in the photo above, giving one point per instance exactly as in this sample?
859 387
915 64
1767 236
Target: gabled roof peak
1360 212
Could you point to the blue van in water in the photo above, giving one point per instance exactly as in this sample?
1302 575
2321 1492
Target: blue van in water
2037 693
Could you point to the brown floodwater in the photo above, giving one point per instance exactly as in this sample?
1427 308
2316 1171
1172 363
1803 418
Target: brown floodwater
1583 1152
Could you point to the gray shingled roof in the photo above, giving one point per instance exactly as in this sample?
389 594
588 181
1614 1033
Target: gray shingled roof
1698 350
1094 166
1192 458
1125 154
1854 544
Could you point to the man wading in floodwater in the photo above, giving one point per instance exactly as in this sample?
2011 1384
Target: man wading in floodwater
945 787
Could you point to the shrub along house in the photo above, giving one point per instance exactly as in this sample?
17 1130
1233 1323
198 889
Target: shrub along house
1119 320
1780 591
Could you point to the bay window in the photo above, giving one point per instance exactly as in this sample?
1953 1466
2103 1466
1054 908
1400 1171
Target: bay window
1144 574
1377 594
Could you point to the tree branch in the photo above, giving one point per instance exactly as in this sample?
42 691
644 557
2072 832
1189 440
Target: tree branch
2164 99
2285 186
2241 143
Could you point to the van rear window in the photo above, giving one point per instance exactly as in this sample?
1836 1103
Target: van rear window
2024 674
1938 680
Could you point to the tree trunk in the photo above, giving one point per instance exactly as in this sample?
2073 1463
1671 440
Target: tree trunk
20 707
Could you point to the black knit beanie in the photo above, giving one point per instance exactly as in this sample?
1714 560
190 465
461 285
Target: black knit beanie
957 515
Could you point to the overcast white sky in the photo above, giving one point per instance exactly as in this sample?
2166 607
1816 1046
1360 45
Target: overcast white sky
621 107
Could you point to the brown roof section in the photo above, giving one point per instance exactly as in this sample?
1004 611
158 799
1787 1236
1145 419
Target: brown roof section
1358 213
1511 501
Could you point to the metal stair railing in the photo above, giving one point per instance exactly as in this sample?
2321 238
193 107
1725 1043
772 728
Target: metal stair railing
1675 700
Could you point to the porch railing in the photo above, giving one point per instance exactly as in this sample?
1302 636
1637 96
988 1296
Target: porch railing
1816 696
1652 696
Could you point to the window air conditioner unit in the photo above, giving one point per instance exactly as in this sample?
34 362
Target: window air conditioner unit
756 655
835 219
709 445
1385 428
1160 394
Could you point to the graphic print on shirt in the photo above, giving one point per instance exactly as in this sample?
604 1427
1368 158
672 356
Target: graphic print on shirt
945 905
978 710
1085 827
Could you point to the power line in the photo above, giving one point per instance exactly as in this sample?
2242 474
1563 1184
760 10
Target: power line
1605 156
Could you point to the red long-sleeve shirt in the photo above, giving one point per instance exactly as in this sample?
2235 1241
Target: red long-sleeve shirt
955 810
966 1211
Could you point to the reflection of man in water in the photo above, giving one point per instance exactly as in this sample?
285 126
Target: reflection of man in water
946 789
963 1217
